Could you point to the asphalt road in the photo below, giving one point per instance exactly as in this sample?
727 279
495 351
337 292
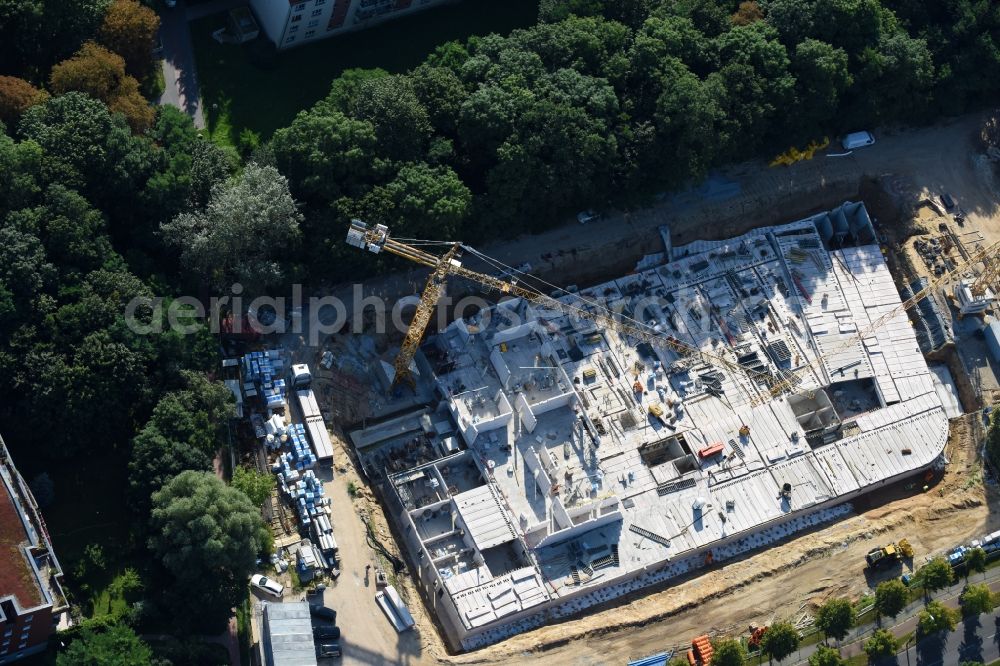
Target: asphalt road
179 73
906 623
974 640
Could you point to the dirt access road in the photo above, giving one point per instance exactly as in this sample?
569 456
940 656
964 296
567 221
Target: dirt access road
932 160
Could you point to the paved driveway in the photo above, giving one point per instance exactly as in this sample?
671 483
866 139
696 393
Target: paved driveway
179 71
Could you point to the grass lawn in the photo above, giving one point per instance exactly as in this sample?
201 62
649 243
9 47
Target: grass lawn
237 93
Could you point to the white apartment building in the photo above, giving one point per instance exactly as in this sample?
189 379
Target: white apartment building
290 23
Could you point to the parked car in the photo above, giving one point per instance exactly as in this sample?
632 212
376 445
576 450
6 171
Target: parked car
328 650
323 613
331 633
265 584
857 140
948 201
586 216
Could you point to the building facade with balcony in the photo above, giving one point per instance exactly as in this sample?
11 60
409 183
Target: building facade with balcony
290 23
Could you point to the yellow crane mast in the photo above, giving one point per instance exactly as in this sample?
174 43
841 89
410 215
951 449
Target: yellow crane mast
376 239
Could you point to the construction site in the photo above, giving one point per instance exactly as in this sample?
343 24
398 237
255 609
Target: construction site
563 449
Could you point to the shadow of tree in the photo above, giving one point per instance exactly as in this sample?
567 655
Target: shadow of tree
930 650
971 648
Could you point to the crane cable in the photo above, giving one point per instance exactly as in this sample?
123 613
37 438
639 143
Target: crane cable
496 263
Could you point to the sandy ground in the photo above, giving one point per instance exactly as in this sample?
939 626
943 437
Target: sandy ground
785 580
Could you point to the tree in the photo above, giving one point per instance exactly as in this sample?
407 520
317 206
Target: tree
686 116
826 656
89 149
20 173
325 154
250 223
253 484
976 599
890 597
207 536
129 29
835 618
422 201
975 560
16 97
210 165
936 617
748 12
402 125
936 574
101 74
73 231
116 645
752 87
728 652
993 439
184 432
34 34
780 640
822 76
441 92
882 645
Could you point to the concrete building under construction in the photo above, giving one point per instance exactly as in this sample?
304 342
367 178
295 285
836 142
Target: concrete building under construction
561 464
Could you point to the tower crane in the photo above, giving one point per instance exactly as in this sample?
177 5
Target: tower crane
377 239
987 255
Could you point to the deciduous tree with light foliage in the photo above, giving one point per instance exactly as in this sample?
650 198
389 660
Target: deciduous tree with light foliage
976 599
835 618
826 656
881 645
780 640
936 574
253 484
936 617
890 597
245 234
728 652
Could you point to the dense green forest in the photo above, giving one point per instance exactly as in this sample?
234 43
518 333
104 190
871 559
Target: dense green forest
604 102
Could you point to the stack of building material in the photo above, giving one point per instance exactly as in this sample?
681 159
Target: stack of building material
261 372
307 495
322 531
315 426
298 446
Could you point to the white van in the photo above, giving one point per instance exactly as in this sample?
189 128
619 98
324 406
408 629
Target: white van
857 140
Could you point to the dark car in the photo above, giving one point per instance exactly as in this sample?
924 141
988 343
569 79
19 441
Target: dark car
332 633
323 613
328 650
948 201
